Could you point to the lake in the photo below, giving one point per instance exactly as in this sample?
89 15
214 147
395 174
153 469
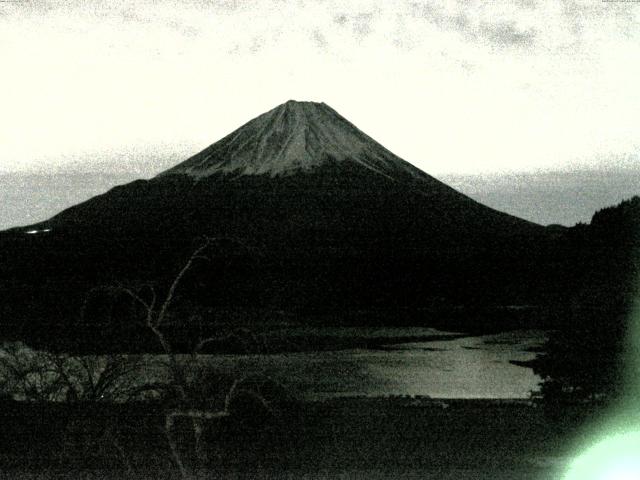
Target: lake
468 367
448 366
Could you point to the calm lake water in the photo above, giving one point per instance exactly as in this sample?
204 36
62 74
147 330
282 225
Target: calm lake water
469 367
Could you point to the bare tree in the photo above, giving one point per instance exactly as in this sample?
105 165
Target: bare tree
31 375
28 375
156 312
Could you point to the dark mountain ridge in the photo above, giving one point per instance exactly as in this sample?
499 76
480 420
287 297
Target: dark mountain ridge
311 139
311 215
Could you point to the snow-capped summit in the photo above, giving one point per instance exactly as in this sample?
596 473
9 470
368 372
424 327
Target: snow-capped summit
310 216
293 137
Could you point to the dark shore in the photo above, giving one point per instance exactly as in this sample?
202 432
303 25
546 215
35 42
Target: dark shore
398 437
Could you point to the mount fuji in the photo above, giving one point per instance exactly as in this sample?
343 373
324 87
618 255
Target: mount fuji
312 215
295 137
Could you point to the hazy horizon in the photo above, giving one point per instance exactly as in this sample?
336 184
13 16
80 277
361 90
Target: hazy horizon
563 197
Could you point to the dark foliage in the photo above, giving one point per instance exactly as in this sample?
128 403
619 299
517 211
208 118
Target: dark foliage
586 355
335 239
324 440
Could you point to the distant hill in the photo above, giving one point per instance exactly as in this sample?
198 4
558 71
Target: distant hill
564 197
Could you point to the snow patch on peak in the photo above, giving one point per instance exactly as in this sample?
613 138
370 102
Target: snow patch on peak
295 136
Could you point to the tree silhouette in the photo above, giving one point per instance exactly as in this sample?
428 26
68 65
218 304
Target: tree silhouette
182 389
585 357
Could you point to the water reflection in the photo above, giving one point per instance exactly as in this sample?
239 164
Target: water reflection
470 367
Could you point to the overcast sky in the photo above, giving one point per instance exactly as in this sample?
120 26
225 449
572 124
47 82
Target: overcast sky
452 87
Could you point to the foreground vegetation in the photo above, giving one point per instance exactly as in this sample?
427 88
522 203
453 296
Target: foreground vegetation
348 438
79 419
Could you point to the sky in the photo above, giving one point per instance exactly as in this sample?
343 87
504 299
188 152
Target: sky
455 87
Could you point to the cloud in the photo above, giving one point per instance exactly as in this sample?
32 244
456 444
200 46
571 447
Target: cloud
341 19
361 23
527 3
507 34
530 80
583 17
574 14
498 33
319 39
257 43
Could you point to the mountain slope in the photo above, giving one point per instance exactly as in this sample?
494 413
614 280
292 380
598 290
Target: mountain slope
314 215
320 150
293 137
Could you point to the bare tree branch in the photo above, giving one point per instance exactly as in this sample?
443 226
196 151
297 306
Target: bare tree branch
174 285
